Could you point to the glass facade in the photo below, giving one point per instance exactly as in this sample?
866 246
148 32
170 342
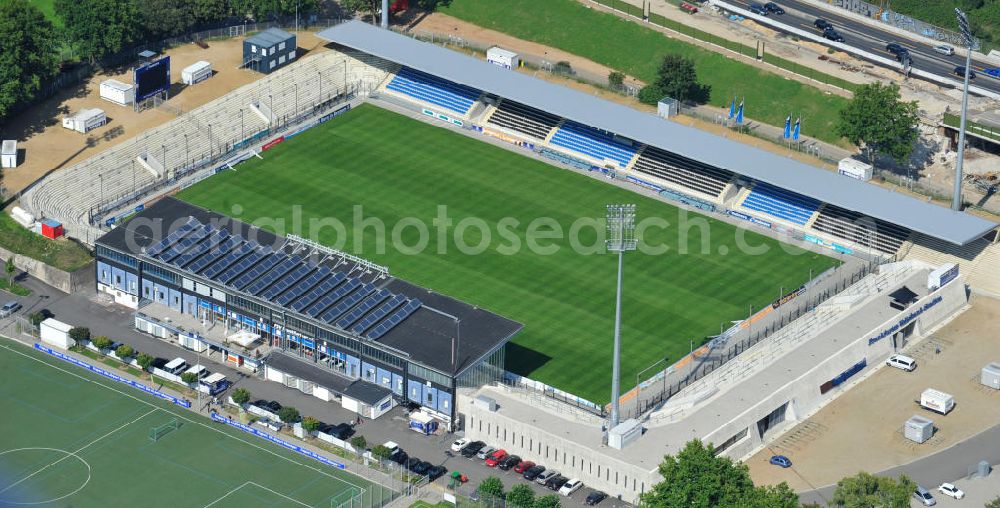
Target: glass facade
488 371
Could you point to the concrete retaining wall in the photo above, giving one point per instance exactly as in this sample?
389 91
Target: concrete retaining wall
67 282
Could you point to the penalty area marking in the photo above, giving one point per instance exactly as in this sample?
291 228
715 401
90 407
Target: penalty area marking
259 486
57 450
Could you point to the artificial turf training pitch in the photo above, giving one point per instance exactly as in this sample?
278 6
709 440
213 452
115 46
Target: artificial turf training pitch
397 167
69 437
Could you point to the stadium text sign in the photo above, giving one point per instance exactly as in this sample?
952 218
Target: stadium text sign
113 376
280 442
906 320
749 218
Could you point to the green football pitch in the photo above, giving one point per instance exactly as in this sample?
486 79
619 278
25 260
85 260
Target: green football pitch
71 438
400 171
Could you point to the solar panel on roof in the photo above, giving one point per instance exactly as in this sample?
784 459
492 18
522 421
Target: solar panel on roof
363 308
258 255
304 285
201 248
316 292
349 300
286 281
185 243
377 314
225 247
272 275
396 318
333 297
185 228
229 260
254 274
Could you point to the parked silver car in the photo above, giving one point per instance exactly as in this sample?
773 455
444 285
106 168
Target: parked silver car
9 308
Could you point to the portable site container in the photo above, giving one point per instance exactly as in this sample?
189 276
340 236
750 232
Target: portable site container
991 375
196 72
8 153
855 169
85 120
117 92
268 50
503 58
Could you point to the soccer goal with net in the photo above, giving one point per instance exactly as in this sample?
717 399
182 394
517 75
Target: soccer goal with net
157 433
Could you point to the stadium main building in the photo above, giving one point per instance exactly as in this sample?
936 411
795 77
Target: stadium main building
313 318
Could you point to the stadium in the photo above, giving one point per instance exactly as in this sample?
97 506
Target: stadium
425 105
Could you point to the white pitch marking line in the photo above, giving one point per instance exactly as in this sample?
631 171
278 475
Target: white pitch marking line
88 445
227 494
129 395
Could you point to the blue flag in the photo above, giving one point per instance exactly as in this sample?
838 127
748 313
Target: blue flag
732 108
795 133
739 114
788 127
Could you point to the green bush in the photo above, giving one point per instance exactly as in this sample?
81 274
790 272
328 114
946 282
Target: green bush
189 377
101 342
288 414
240 396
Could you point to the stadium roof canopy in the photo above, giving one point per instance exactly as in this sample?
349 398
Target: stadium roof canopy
936 221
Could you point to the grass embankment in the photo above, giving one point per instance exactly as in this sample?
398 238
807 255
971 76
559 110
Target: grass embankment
63 253
637 51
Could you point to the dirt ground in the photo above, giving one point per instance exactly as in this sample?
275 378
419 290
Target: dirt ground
825 447
49 147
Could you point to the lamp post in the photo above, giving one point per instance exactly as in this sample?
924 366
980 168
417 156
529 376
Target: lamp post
242 131
963 26
621 238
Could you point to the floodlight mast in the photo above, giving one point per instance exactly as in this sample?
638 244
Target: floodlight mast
970 43
621 238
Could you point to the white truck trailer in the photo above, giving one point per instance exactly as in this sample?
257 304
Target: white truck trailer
937 401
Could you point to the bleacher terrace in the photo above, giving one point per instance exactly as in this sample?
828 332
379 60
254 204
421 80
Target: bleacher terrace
687 173
434 90
592 143
777 202
524 119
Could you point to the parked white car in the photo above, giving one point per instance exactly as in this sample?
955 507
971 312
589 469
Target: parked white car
461 443
570 487
951 491
902 362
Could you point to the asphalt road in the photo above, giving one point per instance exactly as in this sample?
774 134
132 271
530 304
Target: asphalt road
802 15
945 466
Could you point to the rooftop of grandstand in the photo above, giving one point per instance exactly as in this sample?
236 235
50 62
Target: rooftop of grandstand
396 313
932 220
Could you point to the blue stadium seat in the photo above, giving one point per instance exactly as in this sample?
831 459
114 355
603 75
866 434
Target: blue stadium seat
434 90
787 205
593 143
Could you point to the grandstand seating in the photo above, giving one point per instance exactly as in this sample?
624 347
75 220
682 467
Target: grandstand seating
524 119
780 203
860 230
978 260
196 136
682 171
434 90
593 143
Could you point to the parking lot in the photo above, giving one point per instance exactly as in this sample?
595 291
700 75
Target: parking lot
862 430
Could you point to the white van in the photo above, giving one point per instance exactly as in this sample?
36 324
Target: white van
198 370
902 362
175 366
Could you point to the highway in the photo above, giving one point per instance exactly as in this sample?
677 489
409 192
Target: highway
802 15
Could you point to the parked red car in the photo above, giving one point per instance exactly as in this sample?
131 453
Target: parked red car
496 457
523 466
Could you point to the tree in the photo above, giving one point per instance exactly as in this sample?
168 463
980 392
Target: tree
865 490
9 265
877 120
101 342
547 501
677 79
521 496
288 414
698 478
28 59
616 79
165 18
370 7
145 360
491 487
79 334
381 452
204 11
995 503
36 318
360 443
189 377
99 27
124 351
311 424
240 396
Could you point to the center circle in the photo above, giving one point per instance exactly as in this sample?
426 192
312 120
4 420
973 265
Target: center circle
26 476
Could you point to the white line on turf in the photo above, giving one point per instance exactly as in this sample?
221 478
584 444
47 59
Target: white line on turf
88 445
129 395
259 486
